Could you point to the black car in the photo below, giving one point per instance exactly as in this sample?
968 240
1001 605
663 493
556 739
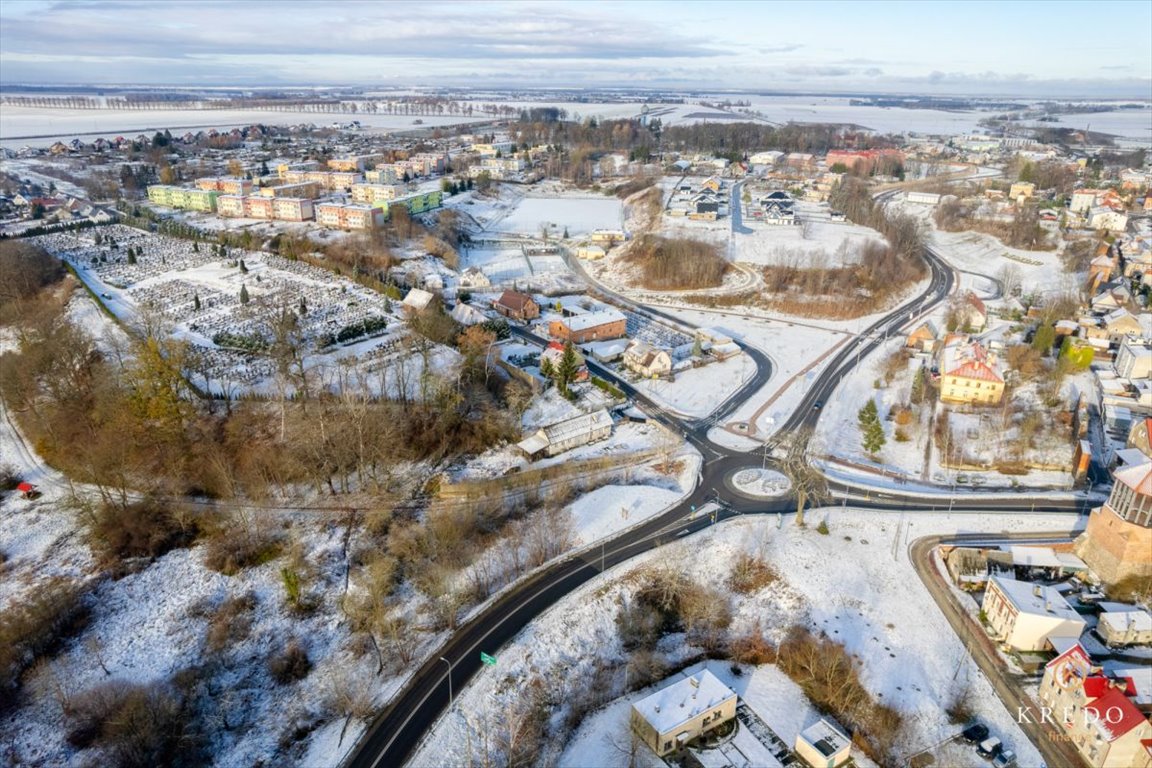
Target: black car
817 405
975 733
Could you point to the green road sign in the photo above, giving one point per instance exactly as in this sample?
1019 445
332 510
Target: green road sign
489 660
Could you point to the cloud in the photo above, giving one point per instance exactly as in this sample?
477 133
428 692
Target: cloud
780 49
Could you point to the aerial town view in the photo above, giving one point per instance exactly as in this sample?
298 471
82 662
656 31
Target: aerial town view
577 384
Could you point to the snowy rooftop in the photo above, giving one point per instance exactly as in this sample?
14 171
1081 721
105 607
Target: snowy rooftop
1035 557
1127 621
585 422
593 319
1035 598
826 738
683 700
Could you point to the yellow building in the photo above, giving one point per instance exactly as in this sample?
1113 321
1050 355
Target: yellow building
970 374
1022 190
374 193
1117 543
302 189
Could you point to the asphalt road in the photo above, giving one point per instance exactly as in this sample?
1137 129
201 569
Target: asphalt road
1057 752
396 732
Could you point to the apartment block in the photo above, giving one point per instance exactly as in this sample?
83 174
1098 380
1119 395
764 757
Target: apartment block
308 189
340 216
260 207
225 185
375 193
354 163
182 197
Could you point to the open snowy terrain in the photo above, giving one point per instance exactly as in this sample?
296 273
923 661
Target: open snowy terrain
855 584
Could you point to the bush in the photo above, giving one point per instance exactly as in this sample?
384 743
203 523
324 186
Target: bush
231 622
751 573
146 528
235 545
752 647
677 263
290 664
34 628
822 529
9 477
132 725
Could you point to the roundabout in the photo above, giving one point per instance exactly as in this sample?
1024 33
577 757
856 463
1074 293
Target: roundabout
759 483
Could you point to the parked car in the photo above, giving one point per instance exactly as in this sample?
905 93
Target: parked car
817 405
989 748
1006 759
975 733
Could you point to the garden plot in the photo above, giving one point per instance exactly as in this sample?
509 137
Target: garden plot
229 306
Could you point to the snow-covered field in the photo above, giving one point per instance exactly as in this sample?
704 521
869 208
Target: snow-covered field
578 215
697 392
40 127
853 584
813 243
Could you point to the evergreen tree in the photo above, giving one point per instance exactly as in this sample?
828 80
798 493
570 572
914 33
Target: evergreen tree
303 306
244 298
131 256
567 368
546 368
871 430
918 384
195 247
196 302
243 267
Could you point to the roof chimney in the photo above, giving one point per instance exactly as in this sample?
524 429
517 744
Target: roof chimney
1037 590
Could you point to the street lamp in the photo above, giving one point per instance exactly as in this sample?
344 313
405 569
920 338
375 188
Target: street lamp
450 698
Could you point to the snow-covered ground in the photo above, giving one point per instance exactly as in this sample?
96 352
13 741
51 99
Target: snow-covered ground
578 215
697 392
855 584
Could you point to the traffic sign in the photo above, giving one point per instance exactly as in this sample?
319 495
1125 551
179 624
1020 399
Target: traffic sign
489 660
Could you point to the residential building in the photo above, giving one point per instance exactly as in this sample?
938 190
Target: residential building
923 338
385 174
862 161
601 325
1132 627
1134 359
466 314
494 149
341 216
1095 711
823 745
420 202
1103 217
1140 436
283 169
1117 543
646 360
225 186
518 306
1083 200
374 193
203 200
472 277
1122 325
354 164
1025 615
970 374
609 236
304 189
329 180
562 436
292 208
923 198
554 353
1021 191
682 712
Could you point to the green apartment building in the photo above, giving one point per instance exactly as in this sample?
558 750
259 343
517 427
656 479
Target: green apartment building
418 203
180 197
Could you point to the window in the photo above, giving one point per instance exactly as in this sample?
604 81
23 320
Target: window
667 746
706 720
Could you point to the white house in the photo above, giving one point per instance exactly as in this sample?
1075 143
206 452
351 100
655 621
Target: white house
1125 627
647 360
681 712
472 277
1024 615
1103 217
924 198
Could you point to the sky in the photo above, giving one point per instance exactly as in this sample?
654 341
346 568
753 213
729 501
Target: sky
975 47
